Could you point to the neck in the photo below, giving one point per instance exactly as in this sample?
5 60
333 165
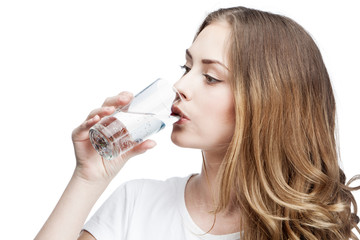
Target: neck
201 196
205 183
211 164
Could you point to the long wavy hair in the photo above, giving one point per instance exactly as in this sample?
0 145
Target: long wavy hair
281 169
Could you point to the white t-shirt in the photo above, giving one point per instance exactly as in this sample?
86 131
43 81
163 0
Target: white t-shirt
151 210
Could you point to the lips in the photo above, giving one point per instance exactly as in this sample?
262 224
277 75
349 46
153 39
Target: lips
176 111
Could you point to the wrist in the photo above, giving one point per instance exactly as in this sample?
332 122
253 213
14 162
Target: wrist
90 182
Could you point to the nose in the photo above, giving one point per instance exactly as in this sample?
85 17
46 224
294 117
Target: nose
182 89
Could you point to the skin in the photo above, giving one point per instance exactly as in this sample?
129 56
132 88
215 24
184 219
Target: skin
208 104
90 178
205 91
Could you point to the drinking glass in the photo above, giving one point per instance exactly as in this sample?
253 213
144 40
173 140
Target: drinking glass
147 113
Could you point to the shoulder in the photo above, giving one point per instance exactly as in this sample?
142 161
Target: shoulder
148 189
153 185
145 204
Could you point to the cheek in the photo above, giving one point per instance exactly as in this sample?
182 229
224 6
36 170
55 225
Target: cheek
221 109
218 125
212 124
207 134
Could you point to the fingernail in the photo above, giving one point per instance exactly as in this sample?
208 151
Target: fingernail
152 144
124 98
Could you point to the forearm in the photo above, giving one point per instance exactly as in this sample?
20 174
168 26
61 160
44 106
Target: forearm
70 213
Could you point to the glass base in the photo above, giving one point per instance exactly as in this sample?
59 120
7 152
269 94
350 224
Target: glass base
102 144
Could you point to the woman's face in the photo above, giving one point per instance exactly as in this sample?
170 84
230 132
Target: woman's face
207 107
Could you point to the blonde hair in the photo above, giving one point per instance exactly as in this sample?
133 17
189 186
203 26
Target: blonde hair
281 169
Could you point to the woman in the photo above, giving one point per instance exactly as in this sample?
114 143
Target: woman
258 102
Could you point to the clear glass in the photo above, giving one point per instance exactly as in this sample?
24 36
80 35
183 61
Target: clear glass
146 114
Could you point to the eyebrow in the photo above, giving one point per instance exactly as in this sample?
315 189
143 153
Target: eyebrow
207 61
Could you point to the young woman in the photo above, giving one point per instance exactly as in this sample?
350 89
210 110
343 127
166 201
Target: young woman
258 102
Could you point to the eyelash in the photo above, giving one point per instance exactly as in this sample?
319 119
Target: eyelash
186 69
209 79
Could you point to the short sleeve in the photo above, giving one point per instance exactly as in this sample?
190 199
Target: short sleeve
111 220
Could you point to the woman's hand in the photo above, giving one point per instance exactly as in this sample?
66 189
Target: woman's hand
89 164
91 177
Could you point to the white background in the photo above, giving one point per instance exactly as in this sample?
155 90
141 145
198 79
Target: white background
61 59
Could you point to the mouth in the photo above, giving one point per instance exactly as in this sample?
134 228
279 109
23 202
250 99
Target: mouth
177 112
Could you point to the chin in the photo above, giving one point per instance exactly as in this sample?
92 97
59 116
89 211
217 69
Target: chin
181 141
177 140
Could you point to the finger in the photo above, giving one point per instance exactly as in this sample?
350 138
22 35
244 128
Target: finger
101 112
82 132
119 100
139 149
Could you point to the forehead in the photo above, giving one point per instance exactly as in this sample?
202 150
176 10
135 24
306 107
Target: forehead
212 42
